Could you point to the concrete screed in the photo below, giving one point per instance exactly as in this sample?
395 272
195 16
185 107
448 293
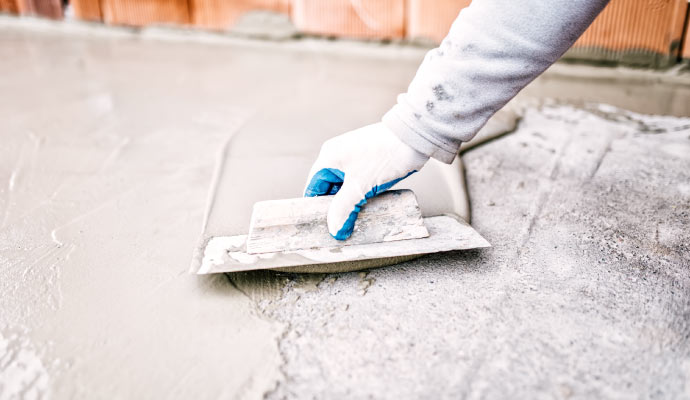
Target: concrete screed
109 142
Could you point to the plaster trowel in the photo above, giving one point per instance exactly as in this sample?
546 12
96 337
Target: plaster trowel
292 235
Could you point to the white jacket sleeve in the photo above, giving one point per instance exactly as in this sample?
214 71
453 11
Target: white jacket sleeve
493 50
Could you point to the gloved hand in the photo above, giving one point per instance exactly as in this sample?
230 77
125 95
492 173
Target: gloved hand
357 166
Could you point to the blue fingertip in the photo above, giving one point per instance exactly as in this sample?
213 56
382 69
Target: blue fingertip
326 181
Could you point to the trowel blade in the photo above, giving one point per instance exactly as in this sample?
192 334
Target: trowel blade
299 224
446 233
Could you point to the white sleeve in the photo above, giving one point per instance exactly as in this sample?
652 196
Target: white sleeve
493 50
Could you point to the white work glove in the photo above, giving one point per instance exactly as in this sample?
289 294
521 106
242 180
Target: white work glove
357 166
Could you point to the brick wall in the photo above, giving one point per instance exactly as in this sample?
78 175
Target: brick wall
145 12
88 10
350 18
431 20
9 6
222 14
646 32
685 48
44 8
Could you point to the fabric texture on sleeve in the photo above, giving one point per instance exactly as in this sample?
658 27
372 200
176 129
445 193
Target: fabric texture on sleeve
493 50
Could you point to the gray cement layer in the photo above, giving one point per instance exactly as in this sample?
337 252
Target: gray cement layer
585 294
107 154
109 143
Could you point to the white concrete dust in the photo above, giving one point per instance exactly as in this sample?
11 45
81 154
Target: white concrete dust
22 373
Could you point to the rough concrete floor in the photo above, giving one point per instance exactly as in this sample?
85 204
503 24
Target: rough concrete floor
109 142
585 294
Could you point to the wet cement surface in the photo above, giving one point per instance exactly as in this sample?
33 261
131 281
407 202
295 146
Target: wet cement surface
103 190
109 147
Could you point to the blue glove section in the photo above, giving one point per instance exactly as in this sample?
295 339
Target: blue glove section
325 182
329 180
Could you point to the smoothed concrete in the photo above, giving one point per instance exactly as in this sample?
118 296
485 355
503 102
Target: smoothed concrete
105 165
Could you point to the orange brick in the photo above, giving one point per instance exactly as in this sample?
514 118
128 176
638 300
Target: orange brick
9 6
431 19
89 10
350 18
638 25
43 8
222 14
685 52
145 12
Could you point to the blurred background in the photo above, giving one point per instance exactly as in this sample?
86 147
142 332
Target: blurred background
651 33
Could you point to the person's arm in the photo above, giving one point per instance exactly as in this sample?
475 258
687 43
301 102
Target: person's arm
493 50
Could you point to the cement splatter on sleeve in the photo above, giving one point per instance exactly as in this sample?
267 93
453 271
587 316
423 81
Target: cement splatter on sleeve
493 50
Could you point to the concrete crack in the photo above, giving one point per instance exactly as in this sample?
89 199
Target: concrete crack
601 158
543 198
365 282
